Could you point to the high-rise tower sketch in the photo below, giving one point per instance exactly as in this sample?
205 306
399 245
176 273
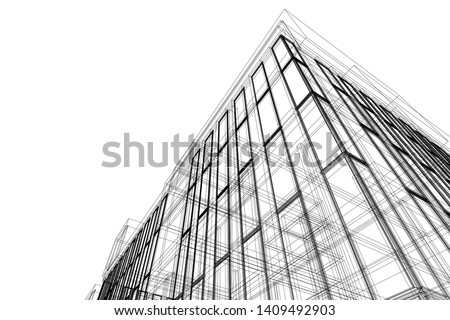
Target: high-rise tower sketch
311 180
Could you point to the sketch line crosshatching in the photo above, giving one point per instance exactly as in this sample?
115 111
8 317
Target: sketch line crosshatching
370 220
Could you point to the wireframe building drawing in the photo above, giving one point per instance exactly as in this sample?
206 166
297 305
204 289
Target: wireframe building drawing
311 180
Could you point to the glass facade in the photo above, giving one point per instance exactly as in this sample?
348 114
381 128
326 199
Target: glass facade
305 185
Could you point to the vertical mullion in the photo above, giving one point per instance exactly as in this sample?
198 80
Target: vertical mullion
239 185
271 182
305 211
180 250
263 251
189 234
154 234
148 246
143 254
208 212
199 212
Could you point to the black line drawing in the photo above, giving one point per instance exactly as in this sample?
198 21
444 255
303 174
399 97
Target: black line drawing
364 213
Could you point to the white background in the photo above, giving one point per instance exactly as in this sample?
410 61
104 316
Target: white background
74 75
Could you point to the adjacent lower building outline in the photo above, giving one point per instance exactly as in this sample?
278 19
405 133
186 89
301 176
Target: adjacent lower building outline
311 180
